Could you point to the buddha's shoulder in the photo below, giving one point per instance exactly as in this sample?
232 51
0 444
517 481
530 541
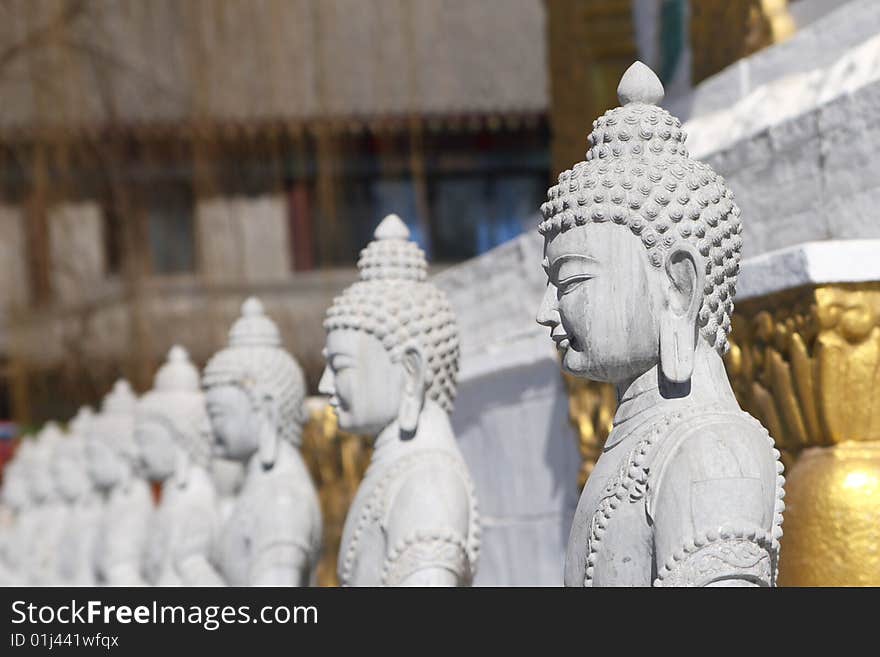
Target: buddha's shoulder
433 485
710 443
718 454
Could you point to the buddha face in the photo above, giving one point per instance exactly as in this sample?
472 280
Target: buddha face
157 449
42 488
600 302
106 466
234 422
363 383
70 477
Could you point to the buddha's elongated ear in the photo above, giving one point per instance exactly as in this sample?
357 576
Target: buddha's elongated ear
267 440
412 399
683 284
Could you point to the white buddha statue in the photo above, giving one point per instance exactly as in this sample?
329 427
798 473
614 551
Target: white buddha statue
392 359
173 436
82 505
112 456
641 249
16 505
255 392
47 511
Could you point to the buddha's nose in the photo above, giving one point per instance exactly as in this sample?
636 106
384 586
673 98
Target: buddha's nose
325 385
548 311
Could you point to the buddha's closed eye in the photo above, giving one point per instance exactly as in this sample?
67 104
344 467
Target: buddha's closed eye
571 283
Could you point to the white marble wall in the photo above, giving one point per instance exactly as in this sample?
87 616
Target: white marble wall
511 416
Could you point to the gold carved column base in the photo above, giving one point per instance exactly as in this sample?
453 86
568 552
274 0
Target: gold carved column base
832 523
591 409
806 363
336 461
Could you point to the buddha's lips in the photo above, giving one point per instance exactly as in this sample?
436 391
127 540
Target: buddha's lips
562 341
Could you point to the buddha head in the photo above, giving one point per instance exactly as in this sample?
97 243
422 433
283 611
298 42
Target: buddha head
392 340
641 247
171 424
69 466
111 452
254 390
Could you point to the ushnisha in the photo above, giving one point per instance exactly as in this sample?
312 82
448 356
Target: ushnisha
113 460
641 249
392 359
255 392
173 434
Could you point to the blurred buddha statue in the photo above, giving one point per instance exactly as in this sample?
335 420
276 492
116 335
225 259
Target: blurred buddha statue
228 476
392 360
174 439
112 457
47 509
82 505
255 392
16 521
641 249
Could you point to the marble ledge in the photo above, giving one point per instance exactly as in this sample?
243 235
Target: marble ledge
811 263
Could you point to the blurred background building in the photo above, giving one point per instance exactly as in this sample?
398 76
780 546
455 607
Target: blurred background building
160 160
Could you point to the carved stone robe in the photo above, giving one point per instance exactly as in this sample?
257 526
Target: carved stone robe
415 508
277 513
185 524
122 538
76 551
682 495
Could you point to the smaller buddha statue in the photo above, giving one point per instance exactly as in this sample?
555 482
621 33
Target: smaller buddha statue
82 505
392 359
255 392
172 433
47 511
641 249
16 503
113 459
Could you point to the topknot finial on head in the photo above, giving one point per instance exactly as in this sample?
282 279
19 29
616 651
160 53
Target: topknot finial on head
121 399
640 84
254 328
177 373
391 228
392 256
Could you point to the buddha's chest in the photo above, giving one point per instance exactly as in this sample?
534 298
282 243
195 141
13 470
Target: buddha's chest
168 531
611 539
364 537
241 535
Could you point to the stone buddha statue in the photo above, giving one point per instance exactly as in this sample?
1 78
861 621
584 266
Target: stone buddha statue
255 392
174 439
641 249
392 359
47 509
15 521
82 505
113 457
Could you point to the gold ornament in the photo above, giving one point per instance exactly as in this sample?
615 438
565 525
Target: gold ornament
337 461
806 362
